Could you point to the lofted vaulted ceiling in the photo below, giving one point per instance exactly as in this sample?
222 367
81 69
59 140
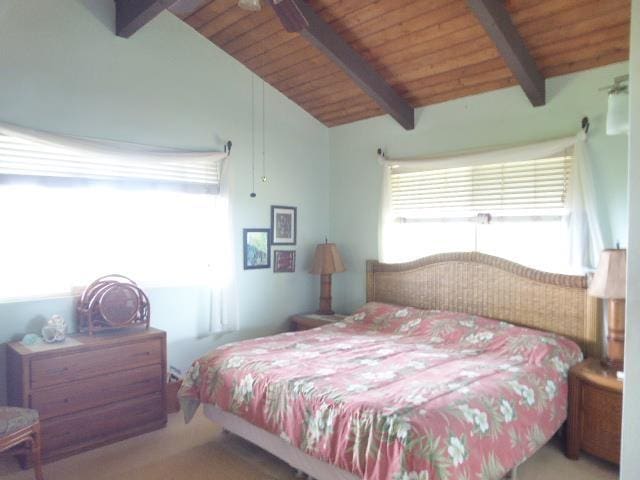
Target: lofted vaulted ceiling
428 51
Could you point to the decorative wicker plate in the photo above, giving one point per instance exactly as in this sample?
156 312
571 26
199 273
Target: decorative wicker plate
113 301
119 304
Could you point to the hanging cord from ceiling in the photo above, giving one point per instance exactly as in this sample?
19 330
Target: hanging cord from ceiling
264 138
264 125
253 140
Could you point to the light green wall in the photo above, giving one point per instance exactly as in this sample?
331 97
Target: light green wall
630 466
63 69
502 117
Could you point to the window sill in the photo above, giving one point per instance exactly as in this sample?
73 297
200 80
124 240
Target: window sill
77 291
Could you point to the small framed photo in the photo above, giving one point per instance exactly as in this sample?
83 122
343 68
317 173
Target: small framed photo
257 248
284 261
283 225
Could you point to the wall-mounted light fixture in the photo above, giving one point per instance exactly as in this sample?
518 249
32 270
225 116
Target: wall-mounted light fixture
618 107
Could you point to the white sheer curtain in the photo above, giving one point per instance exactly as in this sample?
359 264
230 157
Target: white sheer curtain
385 220
583 223
224 299
92 146
584 235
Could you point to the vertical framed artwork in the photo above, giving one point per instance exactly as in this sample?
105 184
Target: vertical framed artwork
256 248
283 225
284 261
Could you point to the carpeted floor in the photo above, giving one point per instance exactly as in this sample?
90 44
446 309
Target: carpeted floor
200 451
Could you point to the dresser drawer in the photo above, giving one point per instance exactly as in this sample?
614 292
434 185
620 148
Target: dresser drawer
94 392
75 366
601 422
99 424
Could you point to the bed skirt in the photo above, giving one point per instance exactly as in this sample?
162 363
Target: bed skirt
276 446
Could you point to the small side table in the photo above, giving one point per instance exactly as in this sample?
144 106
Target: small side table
307 321
594 421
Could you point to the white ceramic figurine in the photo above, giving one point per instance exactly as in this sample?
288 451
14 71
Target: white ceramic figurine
55 330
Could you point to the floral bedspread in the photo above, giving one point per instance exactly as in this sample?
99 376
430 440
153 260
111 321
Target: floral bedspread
396 393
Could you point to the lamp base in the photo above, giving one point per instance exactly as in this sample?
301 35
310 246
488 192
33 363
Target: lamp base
615 335
325 295
609 364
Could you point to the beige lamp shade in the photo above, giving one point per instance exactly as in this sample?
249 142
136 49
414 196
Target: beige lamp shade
327 260
610 279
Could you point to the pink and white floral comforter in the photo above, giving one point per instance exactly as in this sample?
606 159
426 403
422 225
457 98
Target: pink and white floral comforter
395 393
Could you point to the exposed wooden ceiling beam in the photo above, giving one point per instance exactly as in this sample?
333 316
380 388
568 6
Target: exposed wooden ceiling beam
496 20
132 15
297 16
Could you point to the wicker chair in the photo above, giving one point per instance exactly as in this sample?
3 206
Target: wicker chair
20 431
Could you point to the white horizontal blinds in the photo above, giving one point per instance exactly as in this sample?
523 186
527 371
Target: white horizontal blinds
517 186
24 158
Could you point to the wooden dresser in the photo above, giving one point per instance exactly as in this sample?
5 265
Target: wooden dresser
103 389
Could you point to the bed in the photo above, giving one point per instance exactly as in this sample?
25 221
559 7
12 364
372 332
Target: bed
455 368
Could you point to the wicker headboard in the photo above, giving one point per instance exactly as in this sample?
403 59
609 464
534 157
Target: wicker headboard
492 287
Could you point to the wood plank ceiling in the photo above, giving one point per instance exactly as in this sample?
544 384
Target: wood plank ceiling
429 51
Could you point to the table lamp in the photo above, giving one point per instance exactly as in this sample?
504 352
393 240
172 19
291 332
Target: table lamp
325 262
610 282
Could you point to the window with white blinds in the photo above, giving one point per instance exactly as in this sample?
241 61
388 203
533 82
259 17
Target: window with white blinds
25 158
71 215
515 209
511 188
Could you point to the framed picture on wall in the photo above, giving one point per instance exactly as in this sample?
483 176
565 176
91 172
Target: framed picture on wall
256 248
284 261
283 225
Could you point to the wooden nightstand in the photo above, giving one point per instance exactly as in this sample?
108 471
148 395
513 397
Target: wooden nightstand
306 321
595 411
